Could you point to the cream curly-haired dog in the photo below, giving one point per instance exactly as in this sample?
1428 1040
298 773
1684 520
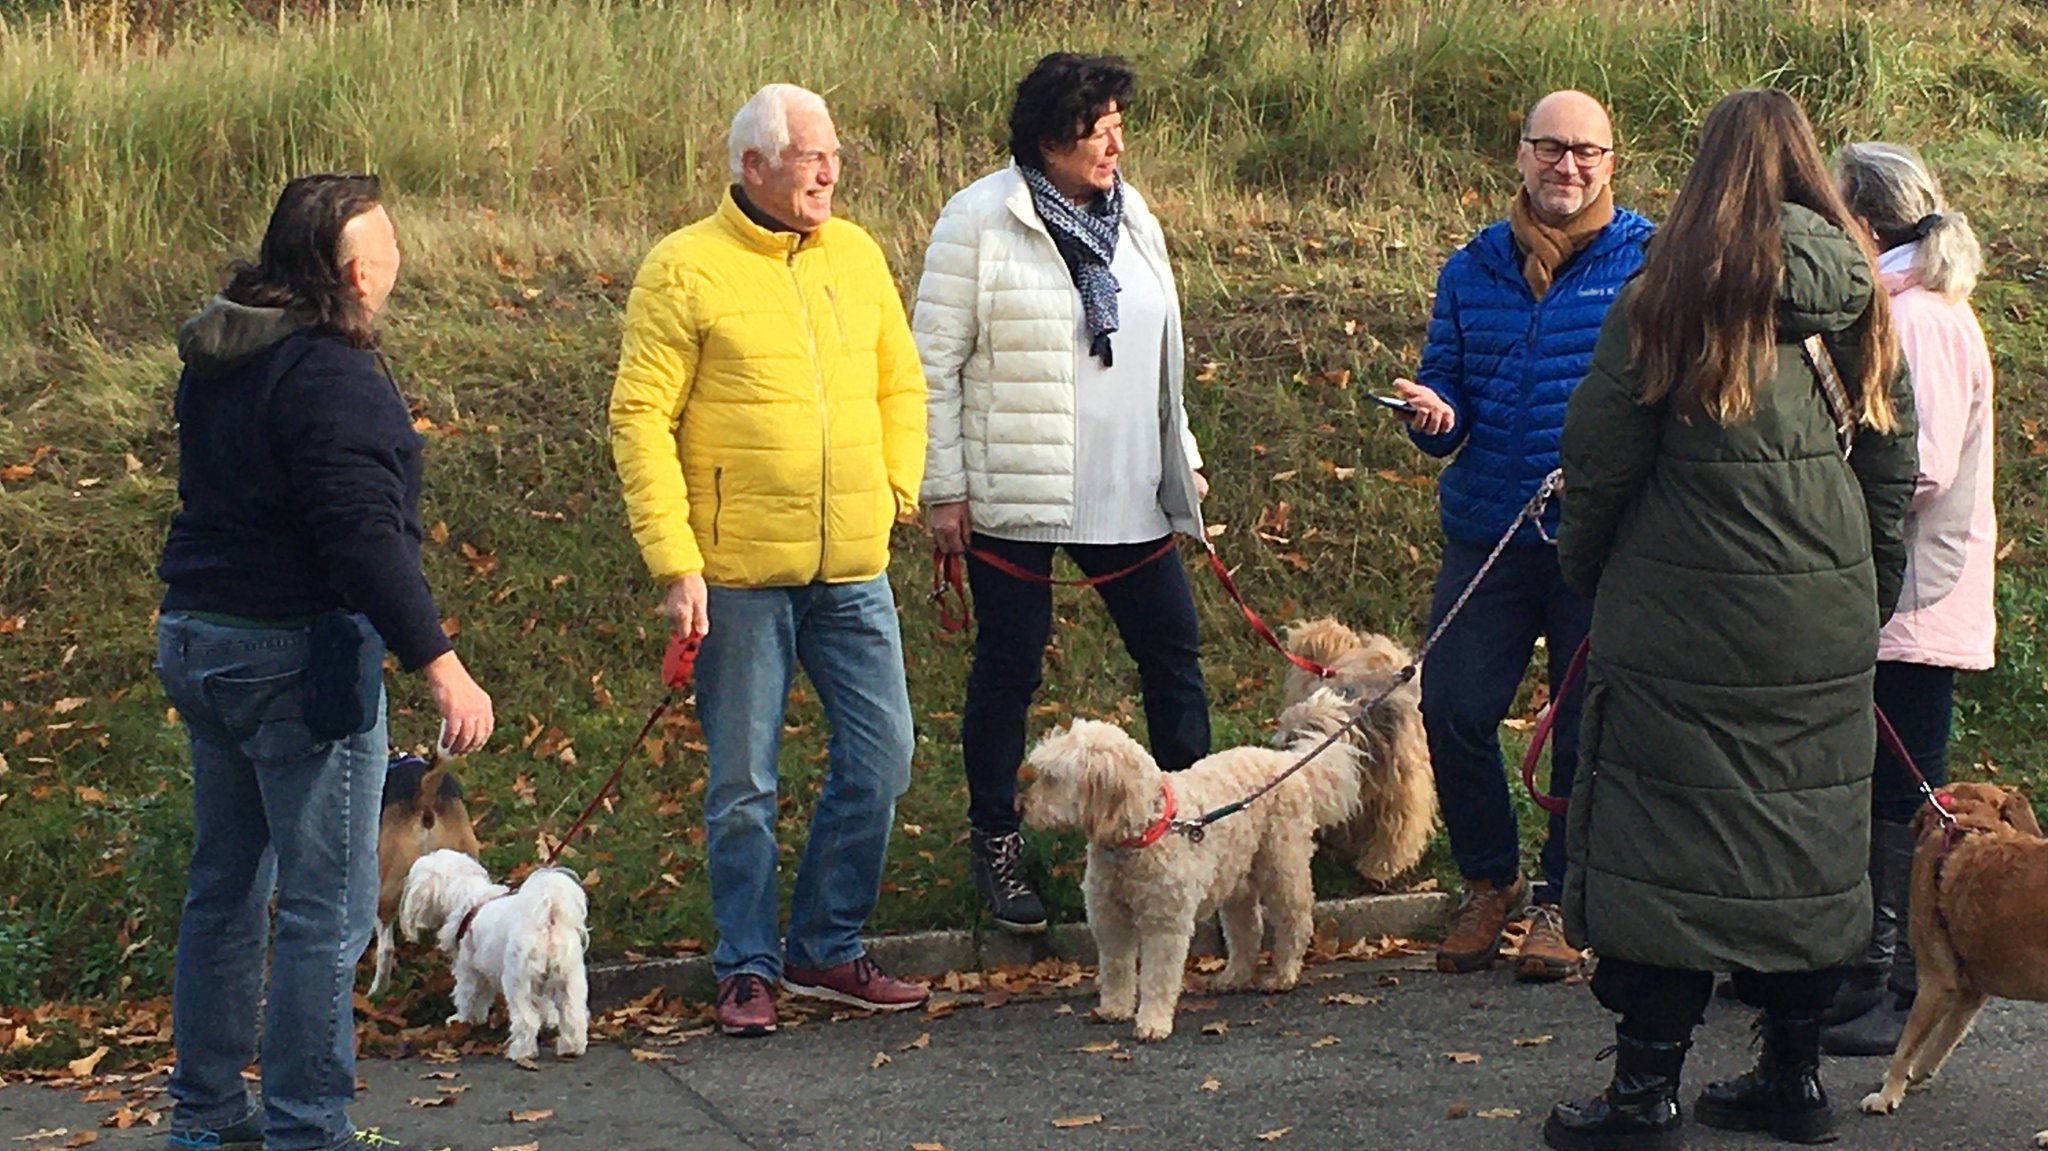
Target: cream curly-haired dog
1396 789
1146 886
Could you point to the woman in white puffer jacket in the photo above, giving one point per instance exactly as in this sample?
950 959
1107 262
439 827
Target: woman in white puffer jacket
1050 332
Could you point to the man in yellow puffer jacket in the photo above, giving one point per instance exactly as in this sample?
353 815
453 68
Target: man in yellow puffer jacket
768 427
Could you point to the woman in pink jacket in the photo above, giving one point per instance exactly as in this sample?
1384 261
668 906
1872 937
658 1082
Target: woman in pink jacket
1929 260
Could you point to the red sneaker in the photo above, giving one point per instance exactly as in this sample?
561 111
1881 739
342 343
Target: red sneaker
745 1006
856 983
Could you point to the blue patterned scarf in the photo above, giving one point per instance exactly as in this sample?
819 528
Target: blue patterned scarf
1086 238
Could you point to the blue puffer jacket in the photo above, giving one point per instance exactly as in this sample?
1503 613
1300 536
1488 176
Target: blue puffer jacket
1507 362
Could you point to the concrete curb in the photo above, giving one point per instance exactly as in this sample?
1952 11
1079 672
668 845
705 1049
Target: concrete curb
936 952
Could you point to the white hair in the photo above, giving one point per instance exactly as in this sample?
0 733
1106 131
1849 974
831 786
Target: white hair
762 124
1892 188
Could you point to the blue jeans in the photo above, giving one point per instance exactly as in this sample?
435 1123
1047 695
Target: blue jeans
1468 684
1154 614
275 812
845 637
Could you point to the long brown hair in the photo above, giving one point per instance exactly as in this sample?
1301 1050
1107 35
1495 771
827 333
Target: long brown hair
1704 310
299 266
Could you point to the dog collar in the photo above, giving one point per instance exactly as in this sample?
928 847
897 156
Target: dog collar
1159 826
469 917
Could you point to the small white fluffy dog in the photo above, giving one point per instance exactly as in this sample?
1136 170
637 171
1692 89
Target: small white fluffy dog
1144 901
526 945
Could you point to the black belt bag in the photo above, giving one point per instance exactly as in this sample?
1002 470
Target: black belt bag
344 675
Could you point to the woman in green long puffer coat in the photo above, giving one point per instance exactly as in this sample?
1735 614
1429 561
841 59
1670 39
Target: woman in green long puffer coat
1740 568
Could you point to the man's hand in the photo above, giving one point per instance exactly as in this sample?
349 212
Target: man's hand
466 719
1429 414
948 526
1201 486
688 606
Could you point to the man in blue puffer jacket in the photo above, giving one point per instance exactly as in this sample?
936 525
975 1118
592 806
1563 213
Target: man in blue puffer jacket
1517 311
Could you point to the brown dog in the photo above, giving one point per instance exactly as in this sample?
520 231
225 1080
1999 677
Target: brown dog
1975 925
1396 790
423 812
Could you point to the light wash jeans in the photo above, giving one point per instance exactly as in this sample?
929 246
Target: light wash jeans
274 811
845 637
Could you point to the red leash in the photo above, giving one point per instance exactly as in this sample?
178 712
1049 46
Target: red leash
1887 735
676 664
954 616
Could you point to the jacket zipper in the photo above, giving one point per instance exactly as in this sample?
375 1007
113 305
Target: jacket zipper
818 380
717 500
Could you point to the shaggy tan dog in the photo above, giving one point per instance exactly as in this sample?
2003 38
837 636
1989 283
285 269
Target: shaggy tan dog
1396 790
1146 887
1975 924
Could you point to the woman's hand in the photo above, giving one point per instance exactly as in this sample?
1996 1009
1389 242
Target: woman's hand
948 526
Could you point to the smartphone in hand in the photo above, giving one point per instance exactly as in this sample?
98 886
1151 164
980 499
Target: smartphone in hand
1392 403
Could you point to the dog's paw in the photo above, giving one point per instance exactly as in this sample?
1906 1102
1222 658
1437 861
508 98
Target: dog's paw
1276 982
1876 1103
1229 980
1148 1031
567 1049
1104 1013
524 1062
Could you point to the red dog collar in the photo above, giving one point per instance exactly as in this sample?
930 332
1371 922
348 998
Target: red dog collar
1159 827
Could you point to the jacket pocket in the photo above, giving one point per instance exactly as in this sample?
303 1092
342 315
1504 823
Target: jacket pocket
717 500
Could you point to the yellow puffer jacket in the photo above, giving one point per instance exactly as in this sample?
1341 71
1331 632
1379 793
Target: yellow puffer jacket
768 416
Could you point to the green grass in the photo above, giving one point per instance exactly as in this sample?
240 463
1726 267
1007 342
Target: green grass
534 151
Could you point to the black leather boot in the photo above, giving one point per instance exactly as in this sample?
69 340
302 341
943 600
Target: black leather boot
1638 1112
1781 1094
1877 1029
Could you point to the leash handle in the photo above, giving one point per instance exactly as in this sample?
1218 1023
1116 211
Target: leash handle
949 593
1553 804
680 660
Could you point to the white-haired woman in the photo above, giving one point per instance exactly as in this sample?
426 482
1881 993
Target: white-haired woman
1929 260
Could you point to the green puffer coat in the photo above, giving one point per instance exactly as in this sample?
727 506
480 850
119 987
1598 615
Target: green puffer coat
1721 815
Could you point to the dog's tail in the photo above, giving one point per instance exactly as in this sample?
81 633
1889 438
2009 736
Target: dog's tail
1332 777
564 909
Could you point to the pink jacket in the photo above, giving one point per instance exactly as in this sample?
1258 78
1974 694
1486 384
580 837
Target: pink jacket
1945 616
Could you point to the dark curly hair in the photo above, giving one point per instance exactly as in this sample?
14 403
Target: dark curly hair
299 266
1060 100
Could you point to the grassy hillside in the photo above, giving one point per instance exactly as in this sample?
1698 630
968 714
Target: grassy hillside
1313 162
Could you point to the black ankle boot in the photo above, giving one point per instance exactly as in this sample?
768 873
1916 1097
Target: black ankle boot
1638 1112
1781 1094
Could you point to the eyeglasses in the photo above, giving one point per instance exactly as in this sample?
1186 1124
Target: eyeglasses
1551 151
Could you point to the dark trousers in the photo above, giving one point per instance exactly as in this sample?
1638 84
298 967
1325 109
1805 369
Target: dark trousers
1154 614
1468 685
1920 701
1664 1004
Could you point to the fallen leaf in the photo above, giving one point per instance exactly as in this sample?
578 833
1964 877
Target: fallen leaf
1499 1113
69 703
1273 1136
1534 1040
82 1067
45 1133
923 1040
1212 1084
1326 1041
1457 1111
1462 1056
81 1138
1077 1121
534 1146
431 1101
880 1058
643 1056
533 1116
1352 999
928 1147
1098 1048
1216 1028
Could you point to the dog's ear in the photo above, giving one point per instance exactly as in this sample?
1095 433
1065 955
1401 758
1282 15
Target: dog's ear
1110 808
2018 810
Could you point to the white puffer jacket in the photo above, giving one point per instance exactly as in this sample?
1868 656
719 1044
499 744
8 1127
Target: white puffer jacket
995 323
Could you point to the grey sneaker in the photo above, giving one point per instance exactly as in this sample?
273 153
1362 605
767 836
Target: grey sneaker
244 1134
997 864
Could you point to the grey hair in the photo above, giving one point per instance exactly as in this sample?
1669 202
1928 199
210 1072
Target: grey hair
762 124
1893 189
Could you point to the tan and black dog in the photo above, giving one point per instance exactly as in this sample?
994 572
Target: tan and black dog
423 812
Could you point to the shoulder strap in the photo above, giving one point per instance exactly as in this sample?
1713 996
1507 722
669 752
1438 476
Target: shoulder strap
1829 382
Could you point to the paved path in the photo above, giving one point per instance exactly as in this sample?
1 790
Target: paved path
994 1080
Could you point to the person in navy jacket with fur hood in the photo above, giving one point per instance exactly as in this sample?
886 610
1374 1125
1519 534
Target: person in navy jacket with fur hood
1517 312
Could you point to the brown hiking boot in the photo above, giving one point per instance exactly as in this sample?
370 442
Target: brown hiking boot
1472 941
1544 956
856 983
745 1006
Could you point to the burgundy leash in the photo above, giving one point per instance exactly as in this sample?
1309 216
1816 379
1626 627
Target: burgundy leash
1888 737
676 665
949 593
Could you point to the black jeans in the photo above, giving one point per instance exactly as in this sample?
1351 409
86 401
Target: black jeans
1469 685
1154 614
1664 1004
1920 701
